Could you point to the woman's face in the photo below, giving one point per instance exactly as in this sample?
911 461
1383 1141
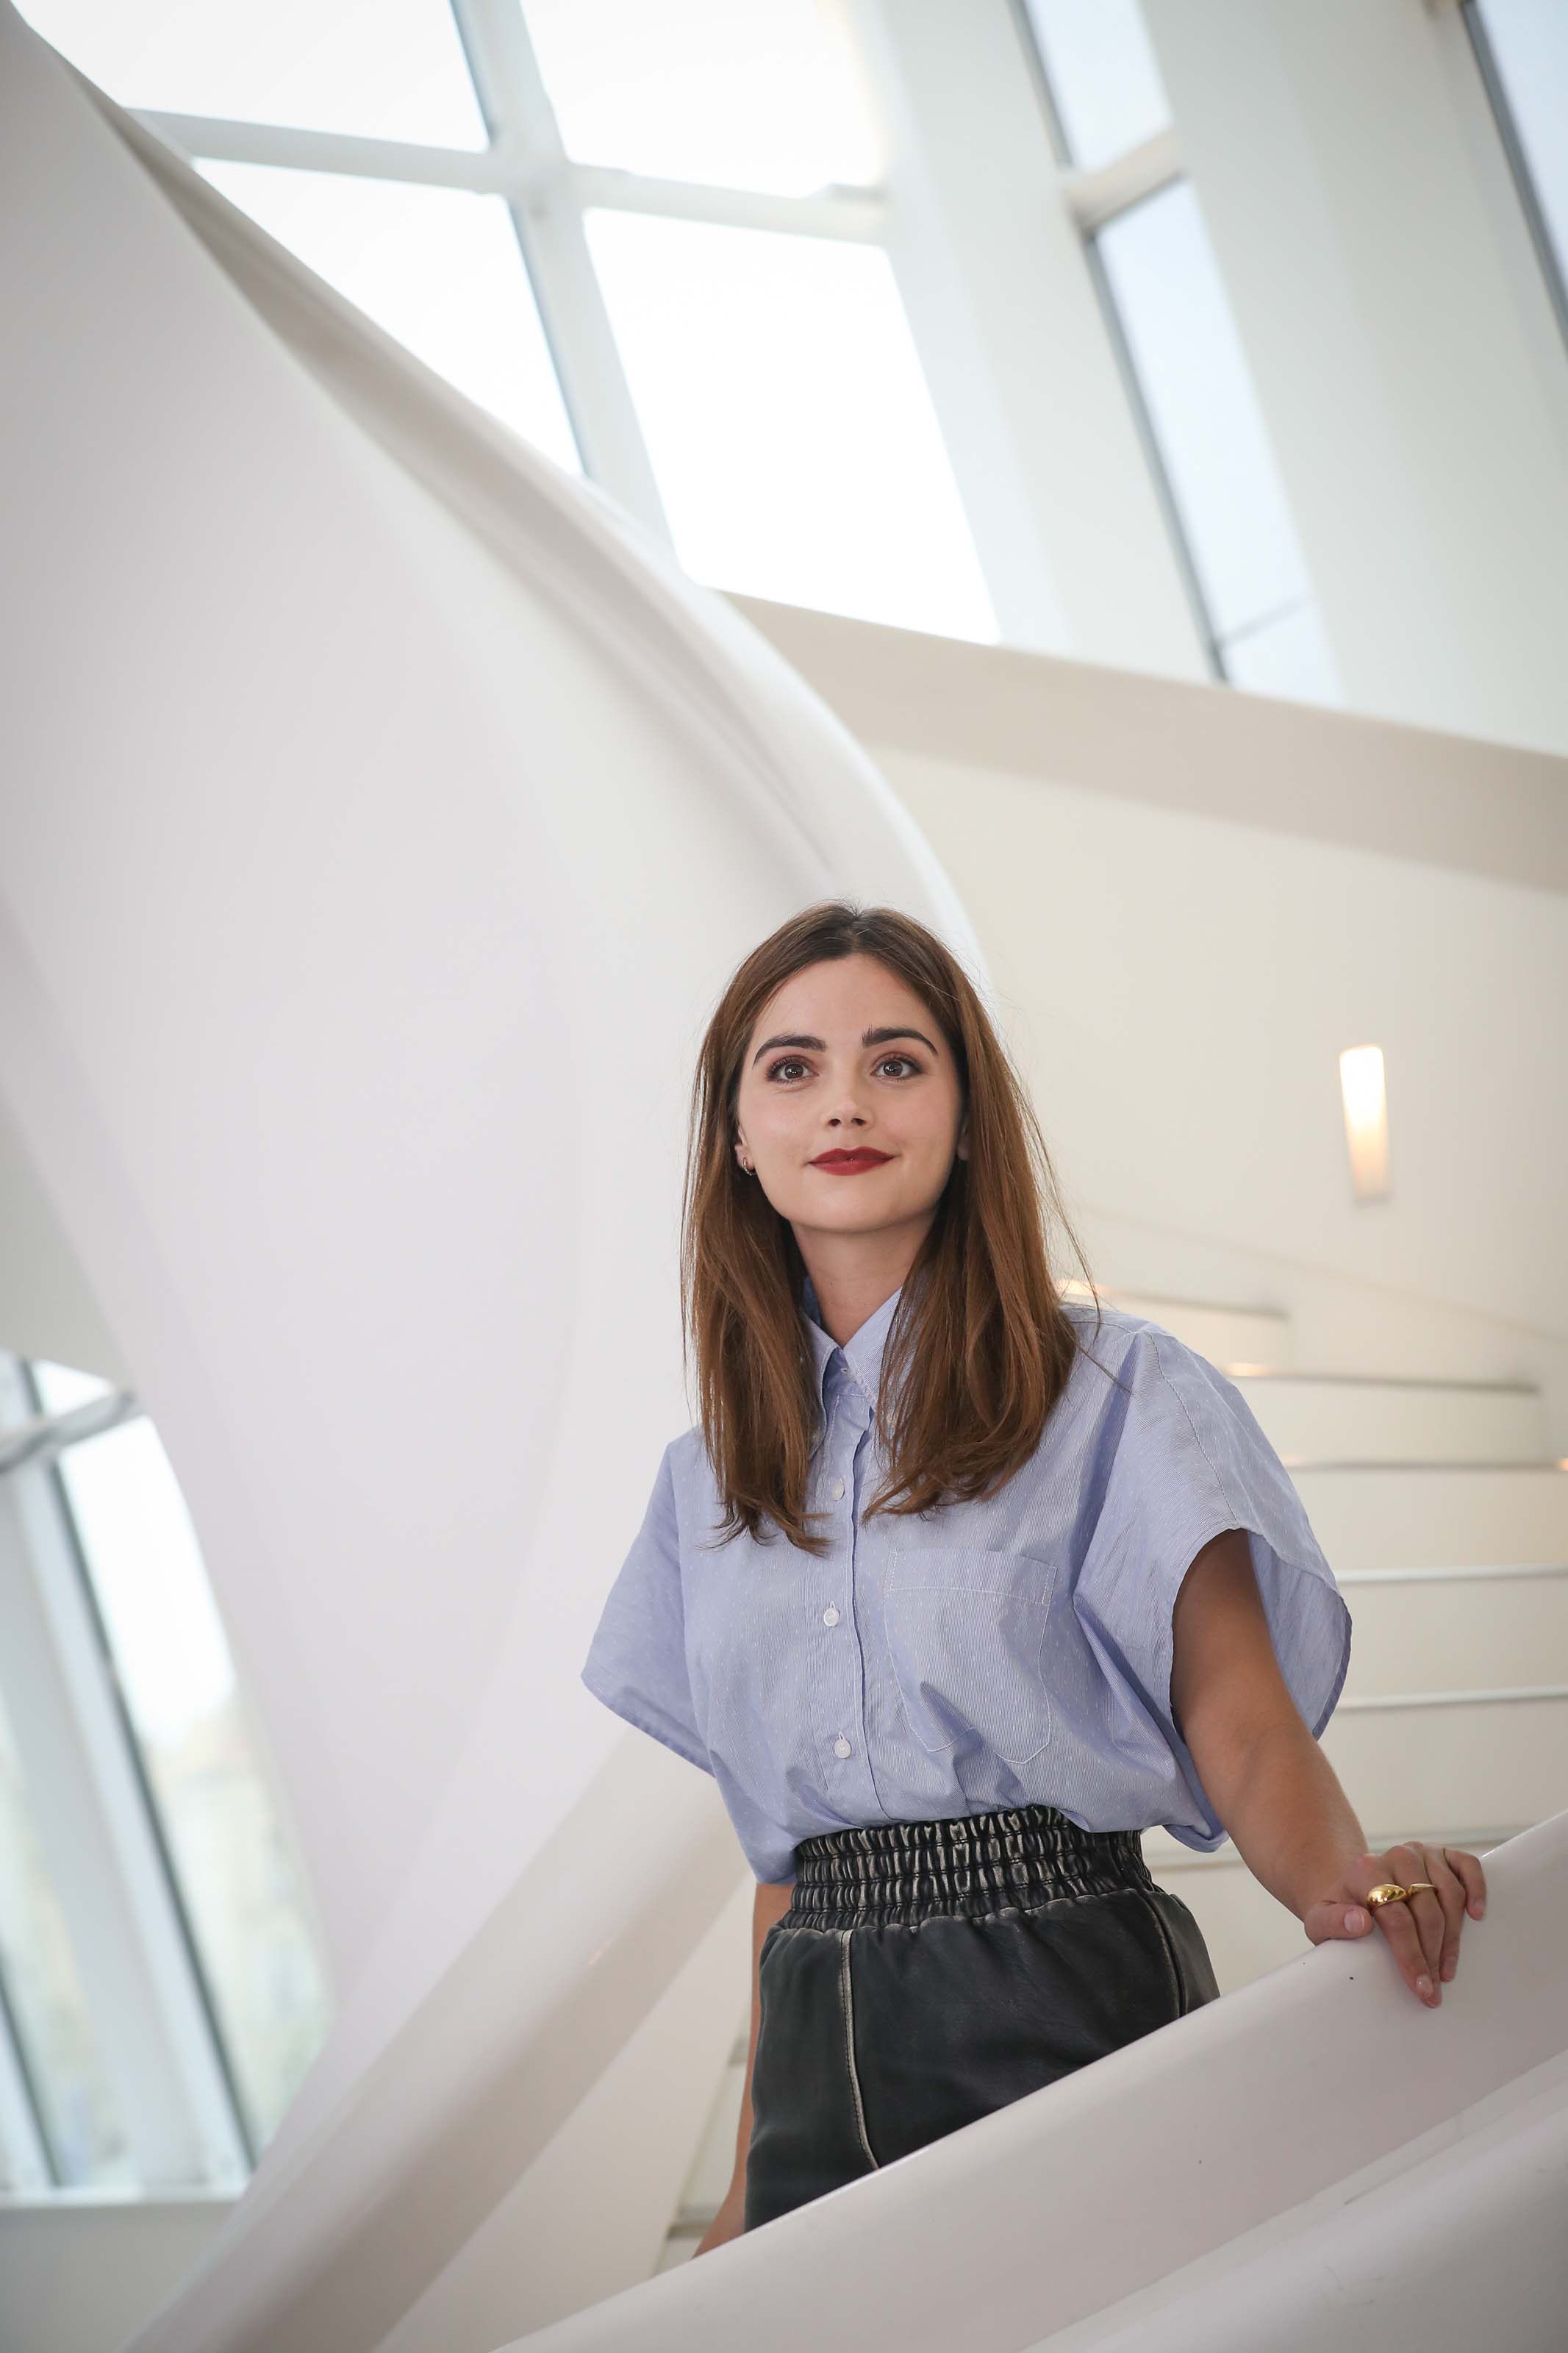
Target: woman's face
843 1056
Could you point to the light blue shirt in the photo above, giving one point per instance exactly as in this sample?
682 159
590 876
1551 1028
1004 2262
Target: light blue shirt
996 1653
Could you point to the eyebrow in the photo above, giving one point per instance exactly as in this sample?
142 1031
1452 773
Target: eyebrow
868 1038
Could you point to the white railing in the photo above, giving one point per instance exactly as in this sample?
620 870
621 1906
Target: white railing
1258 2123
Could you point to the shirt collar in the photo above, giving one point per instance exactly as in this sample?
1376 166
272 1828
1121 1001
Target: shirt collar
862 1352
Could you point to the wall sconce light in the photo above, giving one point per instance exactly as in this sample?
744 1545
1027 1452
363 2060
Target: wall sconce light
1366 1120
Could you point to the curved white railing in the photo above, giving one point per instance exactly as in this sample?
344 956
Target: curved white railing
1255 2173
1319 2124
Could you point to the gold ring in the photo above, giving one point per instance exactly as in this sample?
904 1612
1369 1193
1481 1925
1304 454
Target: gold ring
1390 1891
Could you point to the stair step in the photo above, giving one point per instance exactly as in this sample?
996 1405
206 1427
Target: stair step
1460 1758
715 2161
1394 1515
1437 1629
1226 1335
1167 1858
1313 1418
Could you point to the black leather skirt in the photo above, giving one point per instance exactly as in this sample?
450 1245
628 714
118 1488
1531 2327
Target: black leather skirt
928 1972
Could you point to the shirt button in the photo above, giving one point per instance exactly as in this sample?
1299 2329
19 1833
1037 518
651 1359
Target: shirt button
841 1746
837 1489
831 1616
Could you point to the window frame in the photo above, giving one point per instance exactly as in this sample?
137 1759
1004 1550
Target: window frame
100 1827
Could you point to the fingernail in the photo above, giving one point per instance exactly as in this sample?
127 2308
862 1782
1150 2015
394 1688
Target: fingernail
1424 1987
1355 1922
1449 1966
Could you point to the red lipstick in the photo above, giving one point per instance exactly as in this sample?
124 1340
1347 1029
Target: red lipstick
850 1164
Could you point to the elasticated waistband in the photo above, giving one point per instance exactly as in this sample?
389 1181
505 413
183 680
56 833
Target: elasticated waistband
963 1867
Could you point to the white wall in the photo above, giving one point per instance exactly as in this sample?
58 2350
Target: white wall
1182 987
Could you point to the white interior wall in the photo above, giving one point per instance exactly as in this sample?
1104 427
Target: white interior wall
1182 988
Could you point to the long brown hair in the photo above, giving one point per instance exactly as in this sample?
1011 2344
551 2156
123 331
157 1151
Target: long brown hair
979 1349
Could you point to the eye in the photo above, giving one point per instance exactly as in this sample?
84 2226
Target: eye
794 1063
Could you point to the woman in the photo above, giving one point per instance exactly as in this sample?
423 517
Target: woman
1083 1599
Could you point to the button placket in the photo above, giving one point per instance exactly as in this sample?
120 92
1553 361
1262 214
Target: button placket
839 1667
846 1741
841 1685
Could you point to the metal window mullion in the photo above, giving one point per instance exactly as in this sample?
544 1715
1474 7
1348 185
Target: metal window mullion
1518 162
547 219
1097 195
1182 549
1094 196
855 216
218 139
1095 192
504 169
1264 620
103 1857
26 2161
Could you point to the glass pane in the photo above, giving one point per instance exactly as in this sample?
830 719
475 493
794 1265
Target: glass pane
1103 73
382 69
229 1849
78 2109
788 422
437 268
1287 655
1198 390
741 93
1529 42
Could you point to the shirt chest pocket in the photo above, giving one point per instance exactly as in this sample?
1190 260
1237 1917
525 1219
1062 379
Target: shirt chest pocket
967 1633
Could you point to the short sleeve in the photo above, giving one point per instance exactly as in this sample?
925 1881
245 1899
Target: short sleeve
1190 1460
636 1661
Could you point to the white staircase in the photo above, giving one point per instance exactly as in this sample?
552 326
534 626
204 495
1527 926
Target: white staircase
1445 1520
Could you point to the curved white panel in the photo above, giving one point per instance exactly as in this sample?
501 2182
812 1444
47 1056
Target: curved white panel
383 812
